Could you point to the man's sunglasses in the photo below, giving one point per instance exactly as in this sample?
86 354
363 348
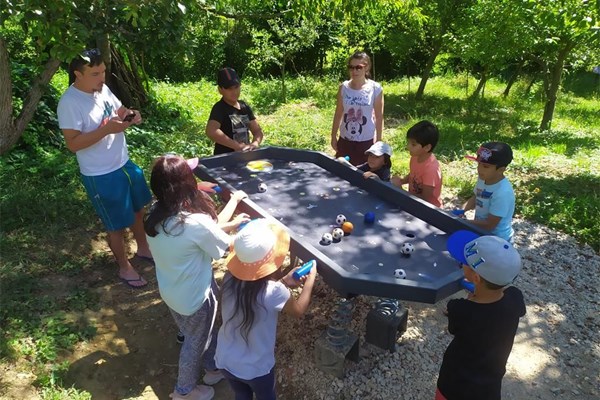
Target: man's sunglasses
356 67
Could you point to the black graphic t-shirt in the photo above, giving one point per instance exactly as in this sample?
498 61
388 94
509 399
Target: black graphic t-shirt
475 360
234 123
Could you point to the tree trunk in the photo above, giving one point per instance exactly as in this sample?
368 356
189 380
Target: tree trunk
131 90
512 79
11 130
283 80
530 85
552 87
373 65
481 84
103 43
428 67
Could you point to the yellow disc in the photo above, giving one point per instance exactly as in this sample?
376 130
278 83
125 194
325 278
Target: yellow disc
259 166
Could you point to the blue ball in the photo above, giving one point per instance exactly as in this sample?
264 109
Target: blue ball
369 217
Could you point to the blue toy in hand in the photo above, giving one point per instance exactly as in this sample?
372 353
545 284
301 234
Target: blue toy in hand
468 286
304 270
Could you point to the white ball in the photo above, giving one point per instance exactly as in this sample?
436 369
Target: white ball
262 187
407 248
400 274
340 219
326 238
337 233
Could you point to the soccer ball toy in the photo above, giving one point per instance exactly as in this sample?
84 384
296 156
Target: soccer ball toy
262 187
326 238
400 274
407 248
340 219
337 233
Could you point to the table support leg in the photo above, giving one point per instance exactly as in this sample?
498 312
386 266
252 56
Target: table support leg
386 319
337 343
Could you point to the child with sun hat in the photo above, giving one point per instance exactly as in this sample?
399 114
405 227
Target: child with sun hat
252 298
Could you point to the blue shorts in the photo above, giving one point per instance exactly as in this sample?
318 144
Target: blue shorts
118 195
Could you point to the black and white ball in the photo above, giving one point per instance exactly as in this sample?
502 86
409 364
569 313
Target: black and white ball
400 274
340 219
407 248
262 187
326 238
337 233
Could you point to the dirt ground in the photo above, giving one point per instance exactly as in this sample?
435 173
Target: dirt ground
134 353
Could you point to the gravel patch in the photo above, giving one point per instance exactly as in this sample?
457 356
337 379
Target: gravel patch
556 352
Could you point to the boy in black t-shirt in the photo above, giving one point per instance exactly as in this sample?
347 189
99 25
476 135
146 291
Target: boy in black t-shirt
231 120
484 325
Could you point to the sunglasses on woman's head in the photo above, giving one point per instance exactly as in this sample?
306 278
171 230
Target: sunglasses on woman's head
356 67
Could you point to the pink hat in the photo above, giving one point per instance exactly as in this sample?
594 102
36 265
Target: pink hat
192 162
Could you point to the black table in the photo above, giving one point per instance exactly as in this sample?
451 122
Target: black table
306 190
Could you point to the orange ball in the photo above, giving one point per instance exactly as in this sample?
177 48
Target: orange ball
347 227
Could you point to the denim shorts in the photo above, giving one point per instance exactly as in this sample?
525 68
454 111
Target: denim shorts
118 195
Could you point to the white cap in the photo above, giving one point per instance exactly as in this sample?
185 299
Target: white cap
379 149
493 258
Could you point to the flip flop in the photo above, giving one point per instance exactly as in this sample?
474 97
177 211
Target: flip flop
138 279
148 259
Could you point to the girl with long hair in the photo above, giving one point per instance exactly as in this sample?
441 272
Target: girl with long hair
185 235
252 298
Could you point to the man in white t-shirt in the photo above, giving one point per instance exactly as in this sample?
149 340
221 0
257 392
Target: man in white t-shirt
93 122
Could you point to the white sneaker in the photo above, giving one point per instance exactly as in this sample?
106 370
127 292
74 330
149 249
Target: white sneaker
212 377
200 392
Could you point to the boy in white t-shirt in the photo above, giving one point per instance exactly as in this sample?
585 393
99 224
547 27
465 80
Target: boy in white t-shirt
494 198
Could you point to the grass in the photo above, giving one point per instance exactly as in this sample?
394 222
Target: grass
45 211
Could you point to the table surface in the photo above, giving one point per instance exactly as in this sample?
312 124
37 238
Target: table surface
306 190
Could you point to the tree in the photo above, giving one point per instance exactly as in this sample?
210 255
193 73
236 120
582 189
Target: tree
564 28
60 29
281 42
493 34
440 22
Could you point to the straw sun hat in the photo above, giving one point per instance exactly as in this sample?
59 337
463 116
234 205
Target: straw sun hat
258 250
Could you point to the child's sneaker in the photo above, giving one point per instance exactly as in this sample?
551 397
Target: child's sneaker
200 392
180 337
212 377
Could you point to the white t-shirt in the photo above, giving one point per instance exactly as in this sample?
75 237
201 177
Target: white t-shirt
86 112
257 357
358 121
183 260
499 200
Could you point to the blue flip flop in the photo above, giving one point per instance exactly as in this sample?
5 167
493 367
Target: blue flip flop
138 279
148 259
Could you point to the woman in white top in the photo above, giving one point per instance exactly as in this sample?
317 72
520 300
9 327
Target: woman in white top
185 234
358 113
